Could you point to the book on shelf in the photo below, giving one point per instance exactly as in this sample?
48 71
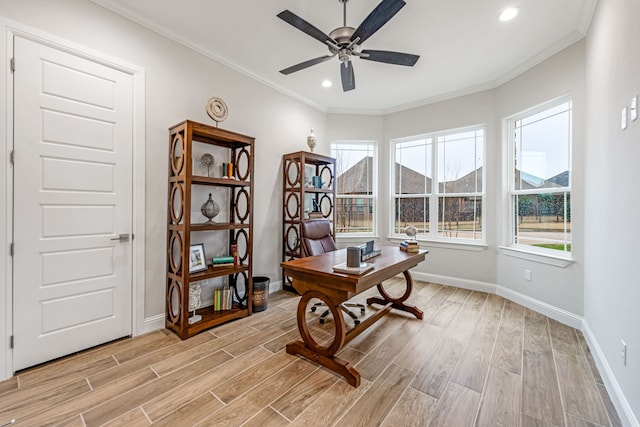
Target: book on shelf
234 253
315 215
342 268
222 259
222 299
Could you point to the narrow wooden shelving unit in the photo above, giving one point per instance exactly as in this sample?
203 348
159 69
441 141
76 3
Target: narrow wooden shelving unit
238 230
299 196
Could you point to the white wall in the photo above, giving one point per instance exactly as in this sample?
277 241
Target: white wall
612 288
179 81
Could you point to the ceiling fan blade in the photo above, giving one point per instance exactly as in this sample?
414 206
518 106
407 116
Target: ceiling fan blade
377 18
293 19
305 64
397 58
348 78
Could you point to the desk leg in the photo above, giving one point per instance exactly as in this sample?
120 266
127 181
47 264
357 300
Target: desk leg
398 303
323 355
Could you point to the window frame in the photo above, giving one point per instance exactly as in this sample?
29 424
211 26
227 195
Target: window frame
511 192
434 194
374 189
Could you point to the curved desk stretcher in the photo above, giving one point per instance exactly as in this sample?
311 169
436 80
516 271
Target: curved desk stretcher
313 277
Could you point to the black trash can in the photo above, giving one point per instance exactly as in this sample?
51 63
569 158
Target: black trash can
260 293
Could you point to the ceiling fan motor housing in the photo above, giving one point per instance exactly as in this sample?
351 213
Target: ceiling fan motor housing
342 35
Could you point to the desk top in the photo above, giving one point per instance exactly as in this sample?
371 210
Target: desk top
318 270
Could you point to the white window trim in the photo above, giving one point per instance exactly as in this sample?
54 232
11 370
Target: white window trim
539 257
528 252
374 183
433 239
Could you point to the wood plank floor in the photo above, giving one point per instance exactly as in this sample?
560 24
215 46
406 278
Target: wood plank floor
475 359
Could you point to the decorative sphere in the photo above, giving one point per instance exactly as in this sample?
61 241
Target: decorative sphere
411 231
207 160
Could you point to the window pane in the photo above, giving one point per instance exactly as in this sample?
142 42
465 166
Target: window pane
355 186
543 220
542 143
412 211
460 159
354 215
460 217
354 168
413 167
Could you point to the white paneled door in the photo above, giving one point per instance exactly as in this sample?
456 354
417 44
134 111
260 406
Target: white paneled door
72 281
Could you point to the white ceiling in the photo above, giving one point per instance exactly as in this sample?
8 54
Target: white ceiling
463 47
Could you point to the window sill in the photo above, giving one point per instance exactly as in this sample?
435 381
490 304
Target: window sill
463 246
356 237
554 260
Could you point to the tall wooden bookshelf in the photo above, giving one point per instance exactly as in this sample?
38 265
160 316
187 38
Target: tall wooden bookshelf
186 228
300 195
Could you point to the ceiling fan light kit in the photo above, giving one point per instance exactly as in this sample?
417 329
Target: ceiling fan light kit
346 42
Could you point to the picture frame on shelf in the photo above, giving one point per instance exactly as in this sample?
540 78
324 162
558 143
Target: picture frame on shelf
197 259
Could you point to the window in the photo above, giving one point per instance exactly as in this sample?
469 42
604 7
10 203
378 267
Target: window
440 176
356 174
540 184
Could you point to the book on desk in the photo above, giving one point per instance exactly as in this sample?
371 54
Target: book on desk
342 268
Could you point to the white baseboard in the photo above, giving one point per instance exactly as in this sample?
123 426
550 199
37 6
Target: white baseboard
153 323
548 310
472 285
627 417
559 314
275 286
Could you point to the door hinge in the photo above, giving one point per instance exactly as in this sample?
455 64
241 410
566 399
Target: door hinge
12 64
11 341
12 157
11 249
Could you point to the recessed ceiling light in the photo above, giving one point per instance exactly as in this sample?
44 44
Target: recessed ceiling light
326 83
509 13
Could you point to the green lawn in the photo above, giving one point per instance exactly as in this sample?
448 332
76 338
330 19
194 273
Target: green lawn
556 246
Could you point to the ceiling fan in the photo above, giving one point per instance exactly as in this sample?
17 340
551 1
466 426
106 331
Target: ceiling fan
346 41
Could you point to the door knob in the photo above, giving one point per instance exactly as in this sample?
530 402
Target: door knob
124 237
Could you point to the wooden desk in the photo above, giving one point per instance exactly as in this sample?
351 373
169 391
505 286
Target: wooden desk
313 277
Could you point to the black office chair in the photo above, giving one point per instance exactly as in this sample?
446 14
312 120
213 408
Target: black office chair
317 240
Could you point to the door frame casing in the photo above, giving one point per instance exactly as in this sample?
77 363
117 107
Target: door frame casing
9 29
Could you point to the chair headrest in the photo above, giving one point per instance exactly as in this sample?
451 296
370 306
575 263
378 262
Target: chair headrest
315 229
316 237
